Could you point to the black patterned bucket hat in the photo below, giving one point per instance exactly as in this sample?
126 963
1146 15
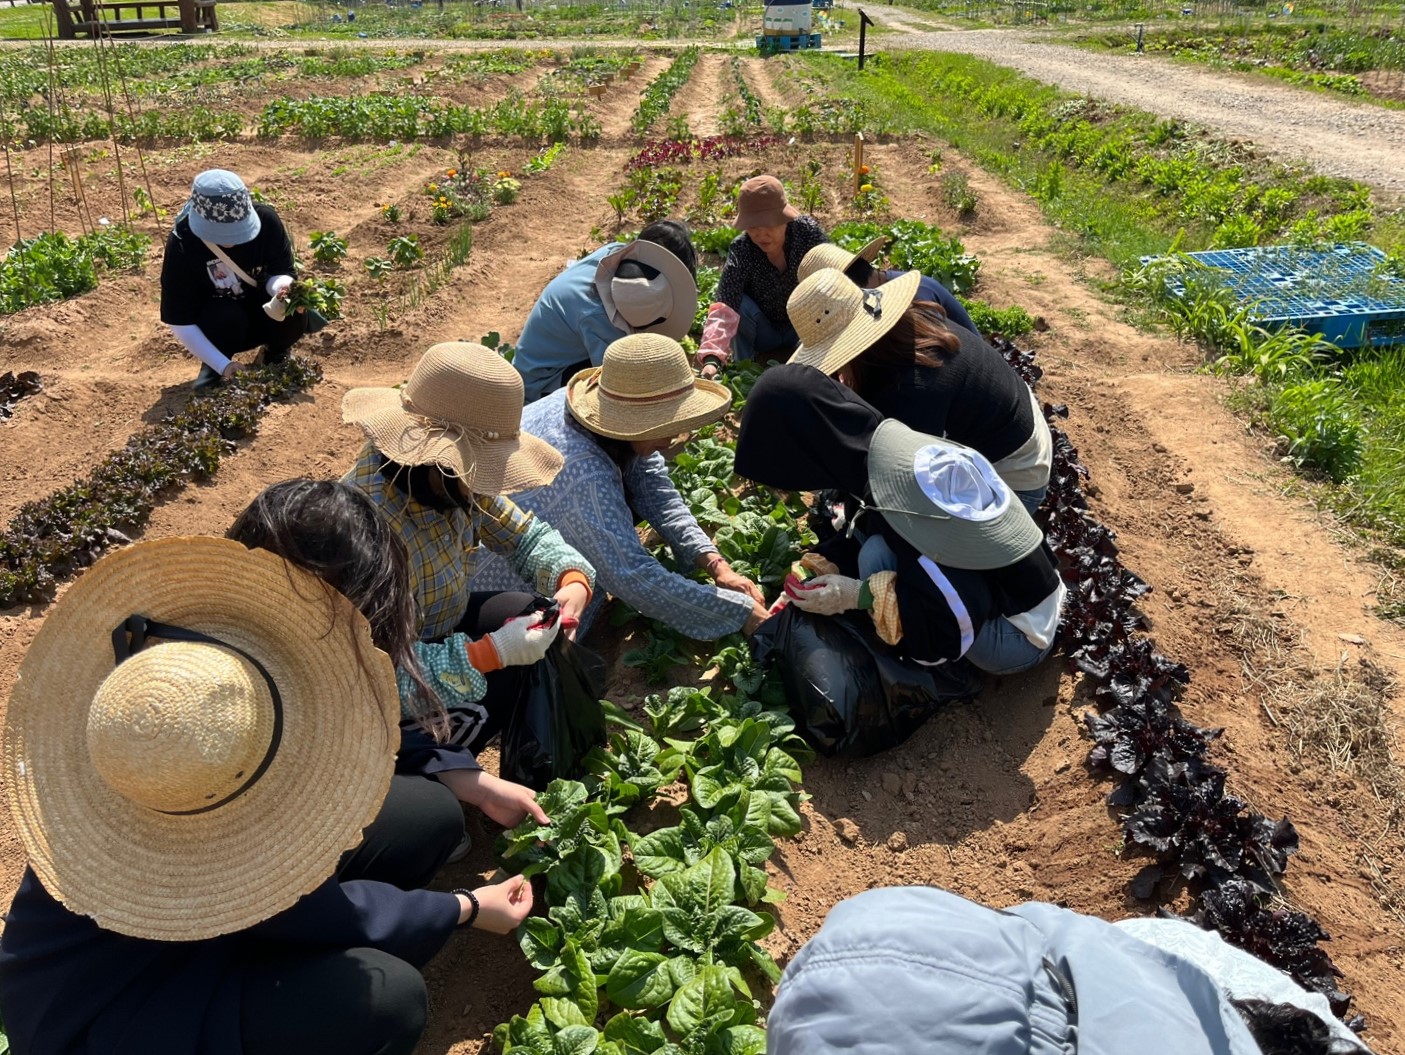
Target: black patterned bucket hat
221 210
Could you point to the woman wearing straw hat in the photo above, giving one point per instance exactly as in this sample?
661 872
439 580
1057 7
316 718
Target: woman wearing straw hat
953 565
759 274
225 257
441 455
859 268
900 354
649 285
614 424
198 736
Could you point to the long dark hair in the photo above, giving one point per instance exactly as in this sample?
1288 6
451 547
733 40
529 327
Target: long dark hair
1283 1029
336 532
920 338
428 485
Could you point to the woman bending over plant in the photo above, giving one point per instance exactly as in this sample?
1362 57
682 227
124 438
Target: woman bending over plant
335 532
200 757
614 424
901 355
442 454
951 564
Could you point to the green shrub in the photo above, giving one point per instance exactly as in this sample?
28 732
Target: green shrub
54 266
1320 427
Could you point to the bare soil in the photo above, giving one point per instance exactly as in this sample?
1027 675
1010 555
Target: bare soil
991 798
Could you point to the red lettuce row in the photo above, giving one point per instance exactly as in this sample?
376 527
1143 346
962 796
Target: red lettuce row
1172 799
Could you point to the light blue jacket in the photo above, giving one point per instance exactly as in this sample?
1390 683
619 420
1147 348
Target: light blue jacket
916 969
596 508
567 326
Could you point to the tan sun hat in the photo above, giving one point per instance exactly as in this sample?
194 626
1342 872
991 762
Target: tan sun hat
461 410
837 321
666 303
761 203
202 784
827 254
645 390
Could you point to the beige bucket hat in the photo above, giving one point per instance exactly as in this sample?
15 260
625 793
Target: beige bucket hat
837 321
761 202
461 410
666 303
827 254
645 390
204 783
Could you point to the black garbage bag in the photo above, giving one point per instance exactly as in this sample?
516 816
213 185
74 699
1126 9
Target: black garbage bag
559 720
849 693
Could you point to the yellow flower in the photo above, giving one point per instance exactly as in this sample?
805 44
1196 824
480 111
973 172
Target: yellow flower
503 174
867 188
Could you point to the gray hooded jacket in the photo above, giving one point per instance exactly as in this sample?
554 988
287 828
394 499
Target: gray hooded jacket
916 969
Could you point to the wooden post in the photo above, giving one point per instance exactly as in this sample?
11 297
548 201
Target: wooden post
858 162
864 23
72 159
188 17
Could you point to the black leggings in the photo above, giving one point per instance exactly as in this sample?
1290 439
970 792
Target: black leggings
355 1001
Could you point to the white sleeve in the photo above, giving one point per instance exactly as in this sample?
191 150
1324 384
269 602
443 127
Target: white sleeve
200 346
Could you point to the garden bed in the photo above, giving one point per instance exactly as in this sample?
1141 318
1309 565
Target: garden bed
991 798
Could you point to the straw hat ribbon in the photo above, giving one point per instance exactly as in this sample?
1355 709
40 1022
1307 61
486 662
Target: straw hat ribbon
461 410
645 389
837 321
197 785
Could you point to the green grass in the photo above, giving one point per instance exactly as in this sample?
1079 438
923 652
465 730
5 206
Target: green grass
27 22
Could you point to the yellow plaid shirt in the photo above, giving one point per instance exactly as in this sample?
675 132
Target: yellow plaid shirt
442 546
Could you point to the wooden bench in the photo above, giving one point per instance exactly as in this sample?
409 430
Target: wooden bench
110 18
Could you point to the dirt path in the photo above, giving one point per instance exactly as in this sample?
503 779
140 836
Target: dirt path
706 94
1341 138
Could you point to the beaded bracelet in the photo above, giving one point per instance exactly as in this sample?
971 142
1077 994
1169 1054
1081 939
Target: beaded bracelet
472 900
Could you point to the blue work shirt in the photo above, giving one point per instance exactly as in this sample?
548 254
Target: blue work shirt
931 289
567 327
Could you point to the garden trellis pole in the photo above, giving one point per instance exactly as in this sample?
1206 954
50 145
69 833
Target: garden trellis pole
14 204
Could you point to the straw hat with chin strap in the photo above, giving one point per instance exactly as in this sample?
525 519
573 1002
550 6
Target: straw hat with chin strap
198 733
837 321
645 389
461 410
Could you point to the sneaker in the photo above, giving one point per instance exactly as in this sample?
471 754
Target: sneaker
208 380
461 850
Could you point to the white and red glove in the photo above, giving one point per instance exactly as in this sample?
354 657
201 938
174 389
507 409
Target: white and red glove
715 351
522 641
824 594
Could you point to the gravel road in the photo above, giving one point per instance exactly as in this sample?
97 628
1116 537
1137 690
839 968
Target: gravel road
1338 137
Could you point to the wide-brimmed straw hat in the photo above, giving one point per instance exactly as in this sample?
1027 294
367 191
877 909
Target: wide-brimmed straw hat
761 203
827 254
645 390
221 209
665 302
837 321
206 782
461 410
947 500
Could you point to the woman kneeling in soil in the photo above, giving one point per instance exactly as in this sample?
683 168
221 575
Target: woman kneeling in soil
952 564
613 424
901 355
225 257
198 737
760 272
335 532
443 452
1035 979
858 268
649 285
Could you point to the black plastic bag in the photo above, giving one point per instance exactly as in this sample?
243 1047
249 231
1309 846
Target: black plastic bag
849 693
559 720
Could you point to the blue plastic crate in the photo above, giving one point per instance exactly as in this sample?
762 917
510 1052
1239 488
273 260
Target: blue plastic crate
1332 290
787 41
